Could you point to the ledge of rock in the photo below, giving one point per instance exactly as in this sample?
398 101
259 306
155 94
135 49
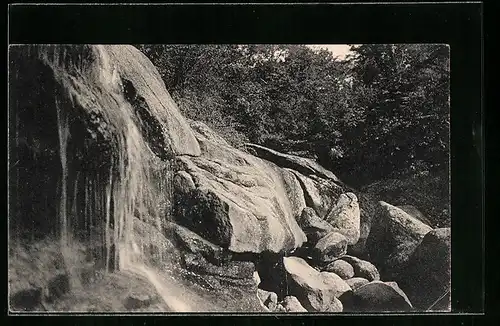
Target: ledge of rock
301 164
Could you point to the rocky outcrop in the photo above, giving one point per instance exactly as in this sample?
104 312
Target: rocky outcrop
393 238
330 247
303 165
427 277
376 296
316 291
345 217
341 268
240 202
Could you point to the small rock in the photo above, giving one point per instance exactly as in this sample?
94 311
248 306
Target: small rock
313 226
315 290
356 282
290 304
256 278
268 299
330 247
341 268
362 268
136 301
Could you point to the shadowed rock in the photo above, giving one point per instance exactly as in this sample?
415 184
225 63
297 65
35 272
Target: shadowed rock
290 304
356 282
427 277
376 296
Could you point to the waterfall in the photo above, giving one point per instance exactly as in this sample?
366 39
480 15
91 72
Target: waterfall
134 183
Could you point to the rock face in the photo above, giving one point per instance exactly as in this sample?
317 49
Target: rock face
303 165
314 227
427 276
362 268
241 202
316 291
393 238
330 247
376 296
345 217
341 268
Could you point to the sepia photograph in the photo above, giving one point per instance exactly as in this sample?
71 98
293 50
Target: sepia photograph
255 178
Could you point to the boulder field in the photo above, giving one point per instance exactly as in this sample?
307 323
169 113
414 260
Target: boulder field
128 192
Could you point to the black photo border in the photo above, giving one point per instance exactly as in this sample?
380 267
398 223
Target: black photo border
458 24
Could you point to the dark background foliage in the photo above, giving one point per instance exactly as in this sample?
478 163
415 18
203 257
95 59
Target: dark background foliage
382 114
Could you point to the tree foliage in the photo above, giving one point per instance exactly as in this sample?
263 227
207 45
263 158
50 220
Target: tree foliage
381 113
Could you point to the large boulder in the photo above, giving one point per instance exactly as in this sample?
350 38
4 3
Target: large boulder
330 247
313 226
345 217
240 202
320 194
376 296
303 165
427 276
341 268
316 291
362 268
393 238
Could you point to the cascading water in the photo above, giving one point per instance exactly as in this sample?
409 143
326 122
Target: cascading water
127 189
